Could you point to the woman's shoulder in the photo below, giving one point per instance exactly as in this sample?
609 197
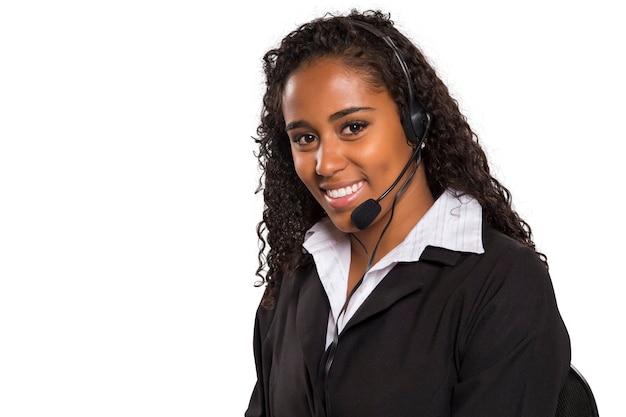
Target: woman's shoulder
505 249
511 267
285 285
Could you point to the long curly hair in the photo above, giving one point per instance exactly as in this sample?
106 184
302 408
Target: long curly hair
453 157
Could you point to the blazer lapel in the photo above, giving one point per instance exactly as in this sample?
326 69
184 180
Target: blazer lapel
404 279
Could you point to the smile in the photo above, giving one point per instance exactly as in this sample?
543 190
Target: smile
342 192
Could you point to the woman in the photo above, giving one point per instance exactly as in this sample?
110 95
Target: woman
399 280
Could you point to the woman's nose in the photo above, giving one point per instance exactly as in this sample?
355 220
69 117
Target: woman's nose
330 157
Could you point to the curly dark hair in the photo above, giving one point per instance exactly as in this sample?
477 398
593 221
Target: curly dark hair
453 158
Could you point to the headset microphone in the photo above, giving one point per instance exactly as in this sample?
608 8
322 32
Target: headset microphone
366 212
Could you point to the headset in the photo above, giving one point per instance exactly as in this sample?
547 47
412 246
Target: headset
416 125
416 121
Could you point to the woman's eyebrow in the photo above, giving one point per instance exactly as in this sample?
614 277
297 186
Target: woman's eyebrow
337 115
345 112
296 124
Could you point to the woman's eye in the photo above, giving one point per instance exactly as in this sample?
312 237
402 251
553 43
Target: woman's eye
303 140
353 128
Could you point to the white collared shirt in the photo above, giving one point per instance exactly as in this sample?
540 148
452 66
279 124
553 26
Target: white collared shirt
453 223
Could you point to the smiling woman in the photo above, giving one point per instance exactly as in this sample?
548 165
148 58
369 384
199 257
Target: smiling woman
348 142
399 280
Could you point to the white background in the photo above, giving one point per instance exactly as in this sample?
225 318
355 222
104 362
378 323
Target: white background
127 178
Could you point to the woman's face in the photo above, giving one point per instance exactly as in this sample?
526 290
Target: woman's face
347 141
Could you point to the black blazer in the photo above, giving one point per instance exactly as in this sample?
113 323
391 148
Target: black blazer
455 334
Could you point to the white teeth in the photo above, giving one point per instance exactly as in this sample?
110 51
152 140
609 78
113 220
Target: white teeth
342 192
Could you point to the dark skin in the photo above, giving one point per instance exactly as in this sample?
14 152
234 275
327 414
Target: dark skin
348 145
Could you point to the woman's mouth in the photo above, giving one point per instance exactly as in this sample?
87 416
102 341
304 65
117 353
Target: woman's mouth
342 197
342 192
